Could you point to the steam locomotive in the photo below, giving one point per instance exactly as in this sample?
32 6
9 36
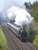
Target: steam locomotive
22 25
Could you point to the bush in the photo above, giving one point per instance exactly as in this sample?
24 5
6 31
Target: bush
35 41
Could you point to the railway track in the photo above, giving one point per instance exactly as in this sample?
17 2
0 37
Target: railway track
14 43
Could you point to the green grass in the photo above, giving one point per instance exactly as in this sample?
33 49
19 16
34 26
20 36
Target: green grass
3 41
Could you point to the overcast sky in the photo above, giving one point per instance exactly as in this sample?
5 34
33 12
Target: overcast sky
6 3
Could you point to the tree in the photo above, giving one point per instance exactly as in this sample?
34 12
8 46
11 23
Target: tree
35 10
28 5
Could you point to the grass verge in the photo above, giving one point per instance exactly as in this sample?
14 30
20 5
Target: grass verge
3 40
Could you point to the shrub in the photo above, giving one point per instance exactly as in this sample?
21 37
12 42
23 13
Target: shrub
35 41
